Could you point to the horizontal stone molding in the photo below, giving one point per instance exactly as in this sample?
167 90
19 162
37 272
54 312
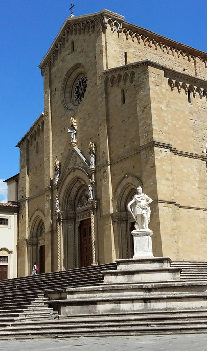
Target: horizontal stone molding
180 205
43 191
127 73
152 144
120 216
187 87
179 152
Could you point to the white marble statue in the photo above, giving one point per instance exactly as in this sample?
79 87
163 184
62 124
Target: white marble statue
90 192
140 210
56 170
92 155
73 130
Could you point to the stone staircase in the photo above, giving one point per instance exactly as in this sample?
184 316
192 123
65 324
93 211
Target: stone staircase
23 298
196 271
63 304
154 322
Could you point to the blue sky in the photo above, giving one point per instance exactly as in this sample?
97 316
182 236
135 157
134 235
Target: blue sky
28 27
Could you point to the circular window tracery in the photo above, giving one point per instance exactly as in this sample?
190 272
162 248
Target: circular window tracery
74 87
79 89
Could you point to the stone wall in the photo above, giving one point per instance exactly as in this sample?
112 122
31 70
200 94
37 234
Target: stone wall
145 110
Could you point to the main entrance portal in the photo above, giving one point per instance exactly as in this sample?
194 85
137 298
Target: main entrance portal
85 243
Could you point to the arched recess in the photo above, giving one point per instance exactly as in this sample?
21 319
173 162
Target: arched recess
76 211
36 241
123 222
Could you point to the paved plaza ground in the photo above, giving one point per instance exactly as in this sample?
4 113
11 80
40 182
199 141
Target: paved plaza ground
182 342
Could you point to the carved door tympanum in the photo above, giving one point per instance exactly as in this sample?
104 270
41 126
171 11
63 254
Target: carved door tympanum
85 243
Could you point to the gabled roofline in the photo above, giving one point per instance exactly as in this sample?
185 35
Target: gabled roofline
76 20
30 130
15 178
106 17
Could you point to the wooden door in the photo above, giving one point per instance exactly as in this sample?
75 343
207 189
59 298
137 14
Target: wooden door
85 243
41 268
3 272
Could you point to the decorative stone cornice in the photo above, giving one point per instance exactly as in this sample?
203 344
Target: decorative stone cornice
187 87
157 41
101 20
127 73
6 250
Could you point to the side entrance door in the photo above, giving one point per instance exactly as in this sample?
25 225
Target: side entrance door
85 243
3 272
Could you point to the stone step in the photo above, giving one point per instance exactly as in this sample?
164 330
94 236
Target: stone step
145 315
121 303
143 290
24 326
136 276
38 330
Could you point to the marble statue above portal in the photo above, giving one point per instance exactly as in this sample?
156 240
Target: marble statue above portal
92 154
73 131
57 167
140 210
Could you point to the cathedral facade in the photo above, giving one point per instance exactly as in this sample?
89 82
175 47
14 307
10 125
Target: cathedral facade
123 107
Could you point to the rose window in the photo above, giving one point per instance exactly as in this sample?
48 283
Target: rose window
74 87
79 89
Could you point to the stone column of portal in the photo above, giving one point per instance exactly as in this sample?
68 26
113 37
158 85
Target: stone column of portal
93 234
60 243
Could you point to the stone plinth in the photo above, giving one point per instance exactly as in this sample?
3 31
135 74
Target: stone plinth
142 243
142 270
143 263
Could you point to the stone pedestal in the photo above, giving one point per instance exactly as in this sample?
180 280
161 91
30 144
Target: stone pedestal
142 243
154 269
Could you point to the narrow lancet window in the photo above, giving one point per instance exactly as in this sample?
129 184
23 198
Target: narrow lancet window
189 96
123 98
72 46
125 57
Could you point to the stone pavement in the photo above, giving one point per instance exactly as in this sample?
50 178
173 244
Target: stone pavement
182 342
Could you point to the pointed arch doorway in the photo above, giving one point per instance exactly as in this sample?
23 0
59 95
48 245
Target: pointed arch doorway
36 244
79 225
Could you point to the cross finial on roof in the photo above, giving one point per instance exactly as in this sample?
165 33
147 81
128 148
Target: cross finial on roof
71 9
